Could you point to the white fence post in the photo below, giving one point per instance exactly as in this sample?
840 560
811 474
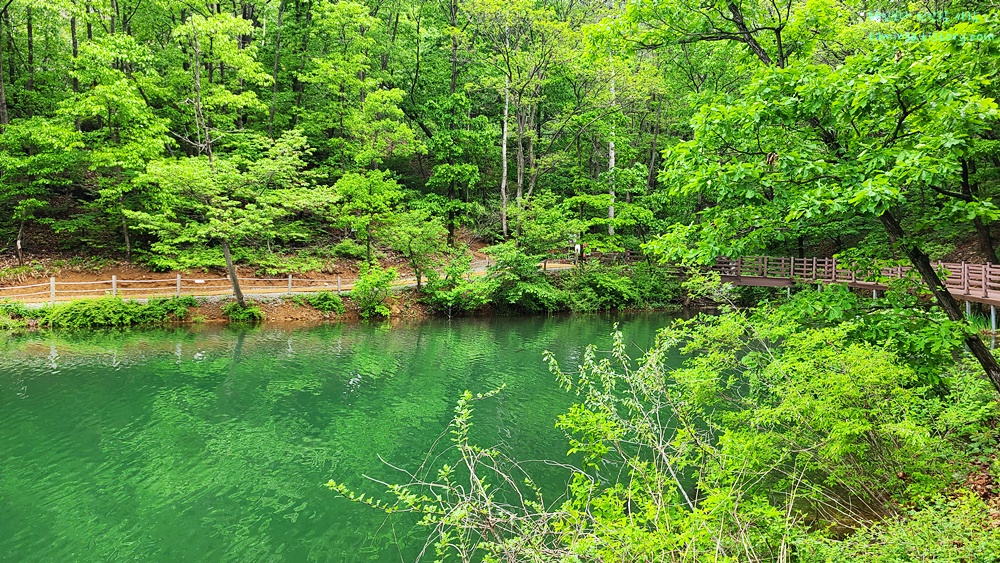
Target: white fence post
178 285
114 286
52 290
289 283
338 284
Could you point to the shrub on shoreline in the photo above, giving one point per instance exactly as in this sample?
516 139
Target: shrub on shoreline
239 314
114 312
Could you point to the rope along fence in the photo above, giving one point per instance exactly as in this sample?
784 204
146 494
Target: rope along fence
58 291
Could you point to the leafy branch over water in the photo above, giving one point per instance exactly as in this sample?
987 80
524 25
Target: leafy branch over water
778 438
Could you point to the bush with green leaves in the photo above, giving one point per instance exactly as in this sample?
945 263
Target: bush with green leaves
454 291
734 438
944 529
920 335
518 283
10 320
17 310
327 302
114 312
372 290
593 286
274 264
239 314
658 287
349 248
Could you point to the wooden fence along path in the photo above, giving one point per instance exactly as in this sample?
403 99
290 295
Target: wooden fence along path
55 291
978 283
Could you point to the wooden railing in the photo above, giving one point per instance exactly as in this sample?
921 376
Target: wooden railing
969 282
976 282
54 290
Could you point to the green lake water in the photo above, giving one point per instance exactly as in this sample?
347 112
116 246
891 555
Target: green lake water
214 444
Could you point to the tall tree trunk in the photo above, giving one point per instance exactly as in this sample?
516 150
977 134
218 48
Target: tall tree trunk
200 120
520 153
503 155
20 252
298 86
232 274
535 126
4 118
983 235
368 243
985 239
453 85
274 74
651 178
12 68
611 164
922 263
76 50
30 85
451 213
128 241
90 24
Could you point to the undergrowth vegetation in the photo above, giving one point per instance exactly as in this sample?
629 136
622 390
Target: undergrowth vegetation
113 312
372 290
824 428
106 312
237 313
327 302
514 283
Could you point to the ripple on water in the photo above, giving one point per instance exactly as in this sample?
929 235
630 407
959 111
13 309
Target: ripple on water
214 445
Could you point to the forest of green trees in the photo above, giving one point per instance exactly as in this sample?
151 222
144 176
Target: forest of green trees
279 134
164 131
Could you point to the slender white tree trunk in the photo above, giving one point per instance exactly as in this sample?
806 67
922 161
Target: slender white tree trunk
503 155
611 165
4 119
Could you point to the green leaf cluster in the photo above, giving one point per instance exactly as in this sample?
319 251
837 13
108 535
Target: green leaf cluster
372 290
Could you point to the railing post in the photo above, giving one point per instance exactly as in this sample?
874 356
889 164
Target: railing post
114 286
814 268
986 280
52 290
338 284
834 270
178 285
765 266
965 278
739 266
289 283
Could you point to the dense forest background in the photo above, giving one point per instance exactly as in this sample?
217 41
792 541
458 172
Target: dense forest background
285 135
291 131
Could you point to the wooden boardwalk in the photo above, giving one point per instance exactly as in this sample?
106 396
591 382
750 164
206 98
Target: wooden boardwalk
978 283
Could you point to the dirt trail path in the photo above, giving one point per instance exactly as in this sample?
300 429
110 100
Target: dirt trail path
132 282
